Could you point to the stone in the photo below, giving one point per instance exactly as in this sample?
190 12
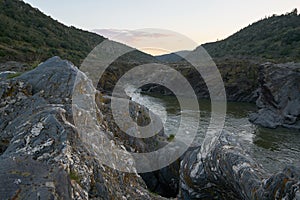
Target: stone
14 66
42 155
279 96
228 172
165 181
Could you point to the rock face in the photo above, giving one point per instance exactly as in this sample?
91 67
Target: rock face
239 78
44 156
41 154
165 181
227 172
279 96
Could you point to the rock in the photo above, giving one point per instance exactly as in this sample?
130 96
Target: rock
279 96
228 172
138 112
25 178
165 181
14 66
7 74
239 78
42 154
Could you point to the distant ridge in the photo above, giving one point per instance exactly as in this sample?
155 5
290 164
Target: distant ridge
173 57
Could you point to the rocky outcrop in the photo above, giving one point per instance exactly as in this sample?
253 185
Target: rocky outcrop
44 156
279 96
41 153
239 78
12 69
14 66
165 181
228 172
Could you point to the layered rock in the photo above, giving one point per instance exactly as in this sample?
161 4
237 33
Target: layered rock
239 78
228 172
279 96
42 155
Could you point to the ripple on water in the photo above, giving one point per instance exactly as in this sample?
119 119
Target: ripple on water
271 148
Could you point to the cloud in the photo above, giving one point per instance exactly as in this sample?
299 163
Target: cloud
153 41
129 34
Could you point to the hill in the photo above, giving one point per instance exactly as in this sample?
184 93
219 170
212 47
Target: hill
276 39
172 57
28 35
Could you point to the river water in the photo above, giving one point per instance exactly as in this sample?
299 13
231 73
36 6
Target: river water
272 148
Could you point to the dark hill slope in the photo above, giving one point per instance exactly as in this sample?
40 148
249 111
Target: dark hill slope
28 35
276 39
172 57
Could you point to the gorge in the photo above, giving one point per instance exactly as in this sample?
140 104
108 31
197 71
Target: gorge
45 153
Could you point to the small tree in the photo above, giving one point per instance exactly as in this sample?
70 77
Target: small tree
294 12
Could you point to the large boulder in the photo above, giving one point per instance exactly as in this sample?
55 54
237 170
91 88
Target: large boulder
226 171
279 96
42 155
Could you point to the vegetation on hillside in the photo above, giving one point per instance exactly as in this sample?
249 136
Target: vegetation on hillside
275 38
28 35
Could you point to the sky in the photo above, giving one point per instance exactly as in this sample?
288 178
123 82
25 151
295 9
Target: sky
200 21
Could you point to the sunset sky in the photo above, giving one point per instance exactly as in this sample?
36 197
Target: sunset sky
201 21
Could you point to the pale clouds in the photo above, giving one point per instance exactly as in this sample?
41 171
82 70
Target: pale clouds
153 41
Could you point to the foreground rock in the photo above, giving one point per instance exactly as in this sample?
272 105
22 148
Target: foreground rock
279 96
165 181
41 153
14 66
227 172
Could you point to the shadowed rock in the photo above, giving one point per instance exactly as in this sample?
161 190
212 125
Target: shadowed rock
165 181
279 96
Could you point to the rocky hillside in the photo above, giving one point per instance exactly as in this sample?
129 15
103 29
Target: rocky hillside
240 79
29 36
45 155
275 39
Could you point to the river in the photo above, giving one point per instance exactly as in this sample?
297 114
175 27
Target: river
272 148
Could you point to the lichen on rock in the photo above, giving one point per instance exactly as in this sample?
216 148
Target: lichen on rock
38 138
